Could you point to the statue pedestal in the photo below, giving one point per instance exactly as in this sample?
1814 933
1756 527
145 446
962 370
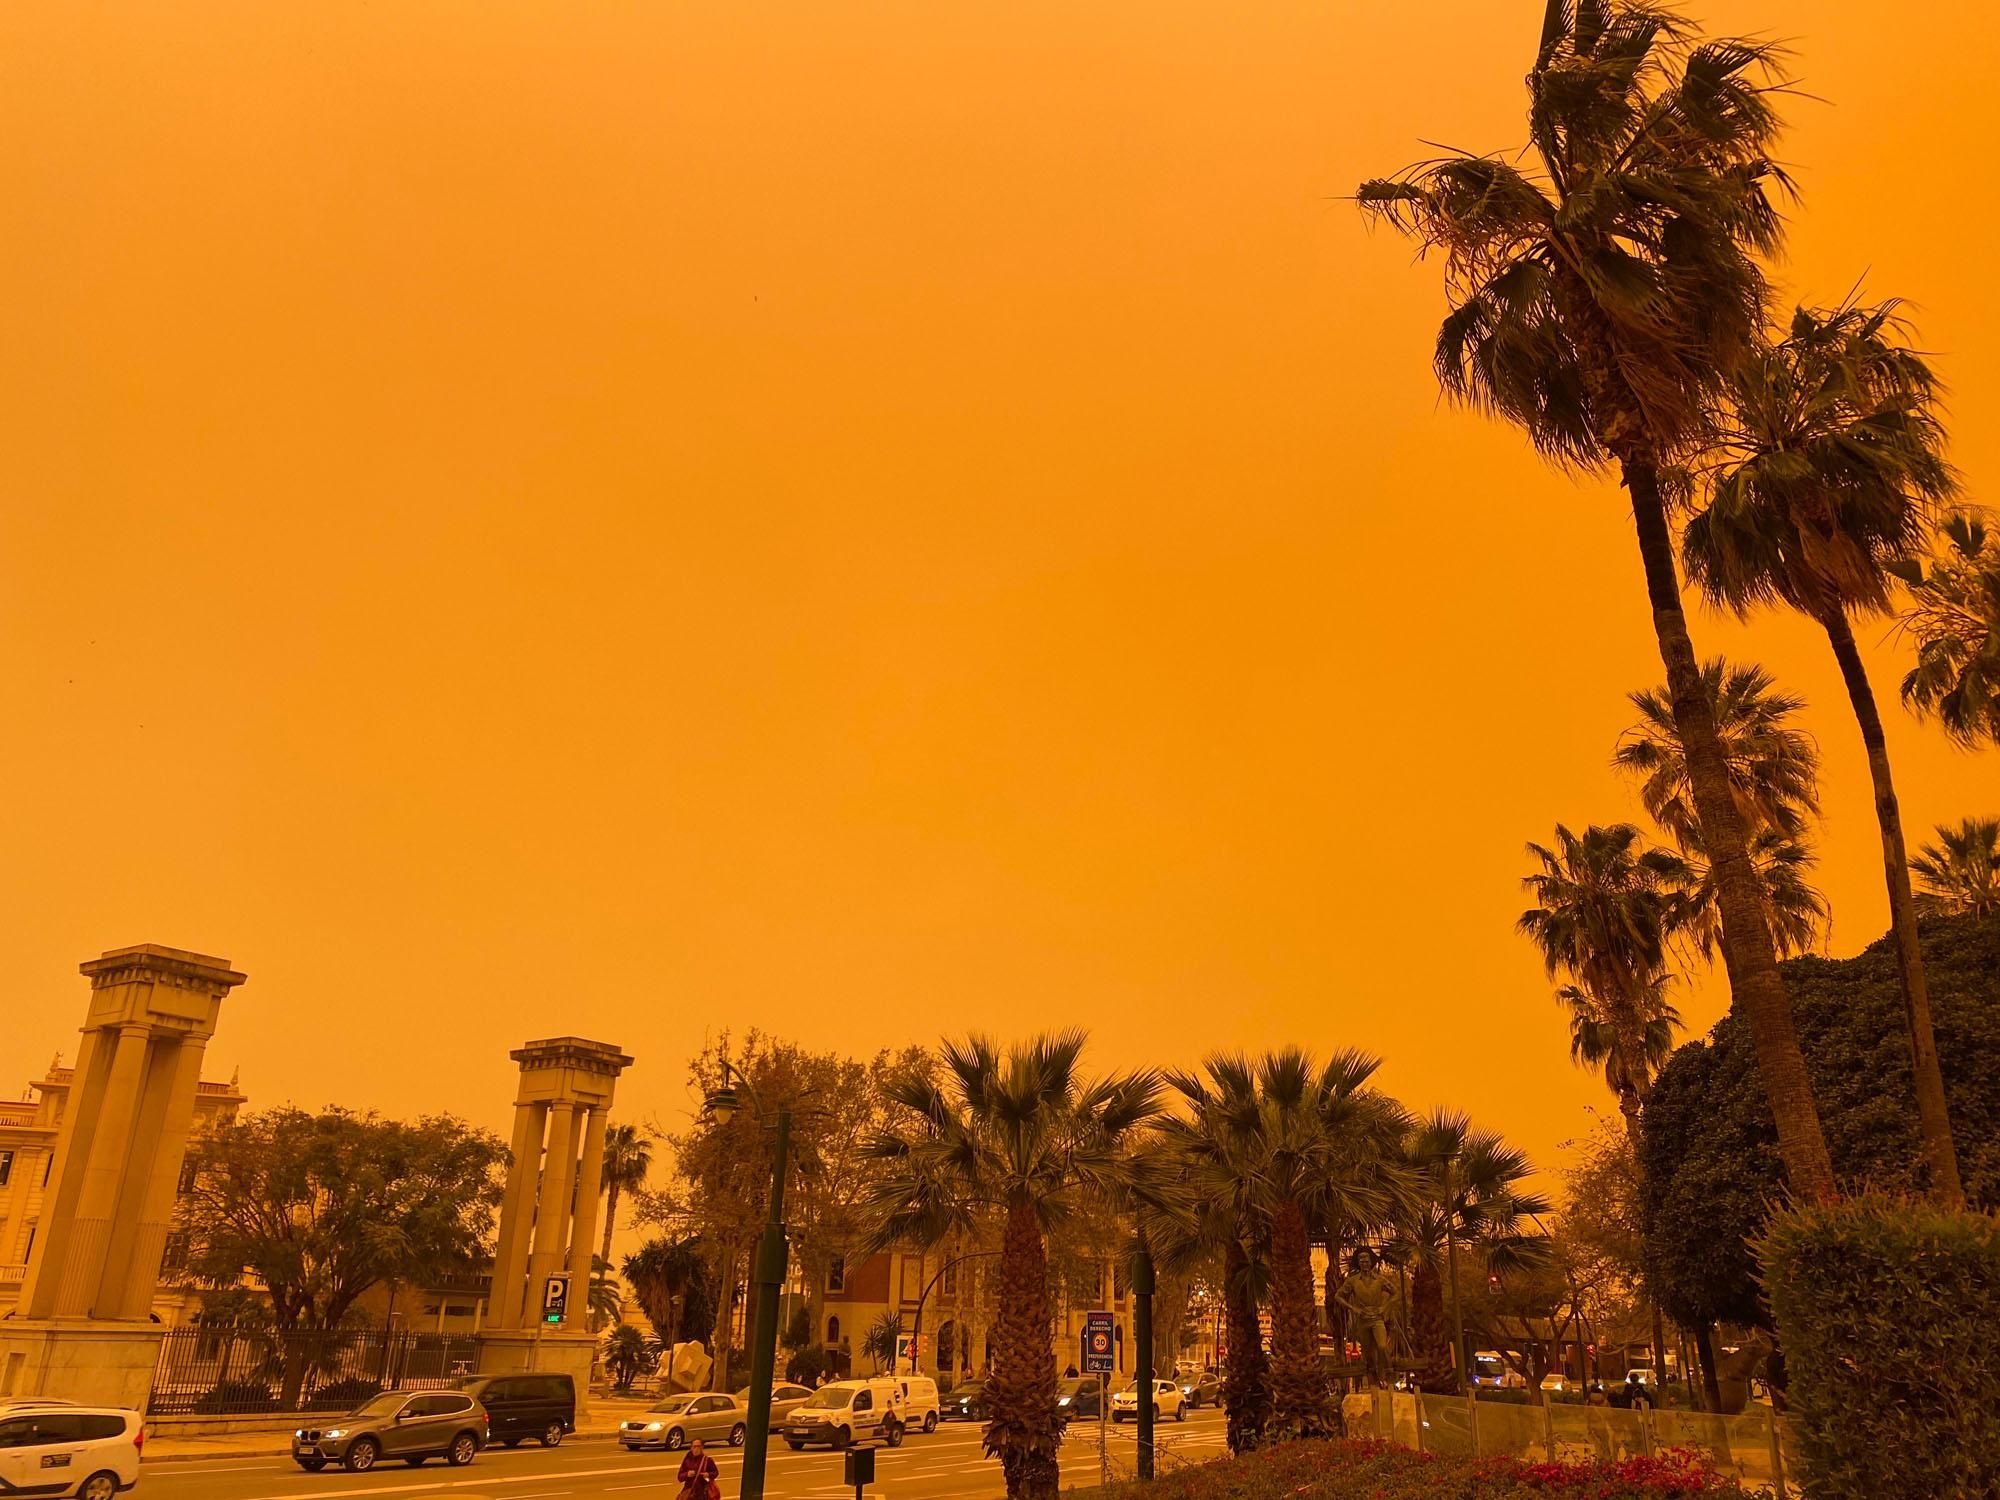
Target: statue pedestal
505 1351
88 1361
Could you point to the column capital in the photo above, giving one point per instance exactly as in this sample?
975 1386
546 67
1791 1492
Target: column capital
167 990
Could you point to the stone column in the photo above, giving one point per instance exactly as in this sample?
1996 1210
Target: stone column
583 1224
517 1212
78 1265
145 1217
552 1209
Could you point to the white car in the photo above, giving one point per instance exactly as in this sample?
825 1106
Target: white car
57 1448
1167 1402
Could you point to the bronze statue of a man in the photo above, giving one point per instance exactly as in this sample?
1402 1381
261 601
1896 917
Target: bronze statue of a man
1370 1299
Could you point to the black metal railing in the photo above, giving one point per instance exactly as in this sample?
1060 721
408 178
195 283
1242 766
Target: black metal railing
221 1372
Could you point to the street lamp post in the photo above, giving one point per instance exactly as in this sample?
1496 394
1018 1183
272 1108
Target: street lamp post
917 1326
1143 1283
767 1277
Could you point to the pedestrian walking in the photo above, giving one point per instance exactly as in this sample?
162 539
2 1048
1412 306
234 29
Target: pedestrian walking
698 1475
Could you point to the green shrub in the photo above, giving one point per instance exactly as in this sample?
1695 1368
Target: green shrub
236 1396
343 1395
1378 1471
1888 1310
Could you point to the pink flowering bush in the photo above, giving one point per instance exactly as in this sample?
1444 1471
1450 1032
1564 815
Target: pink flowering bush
1372 1470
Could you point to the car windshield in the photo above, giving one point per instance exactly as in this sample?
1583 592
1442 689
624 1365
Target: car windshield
828 1397
384 1405
674 1403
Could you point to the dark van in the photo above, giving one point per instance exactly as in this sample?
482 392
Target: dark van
524 1405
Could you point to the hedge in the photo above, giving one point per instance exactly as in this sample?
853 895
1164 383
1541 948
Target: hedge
1888 1311
1379 1471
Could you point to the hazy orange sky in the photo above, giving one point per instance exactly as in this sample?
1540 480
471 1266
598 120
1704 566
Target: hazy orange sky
859 519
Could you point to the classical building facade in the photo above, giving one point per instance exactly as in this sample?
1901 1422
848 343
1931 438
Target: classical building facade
29 1127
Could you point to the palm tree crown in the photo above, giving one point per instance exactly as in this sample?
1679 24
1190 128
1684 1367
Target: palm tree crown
1959 875
1955 617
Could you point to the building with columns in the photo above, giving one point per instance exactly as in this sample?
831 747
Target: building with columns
28 1130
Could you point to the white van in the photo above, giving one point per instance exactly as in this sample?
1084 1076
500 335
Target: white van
849 1411
53 1448
920 1401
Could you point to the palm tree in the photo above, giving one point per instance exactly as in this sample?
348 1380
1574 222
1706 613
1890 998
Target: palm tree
1774 778
1469 1194
625 1355
607 1301
880 1341
673 1285
1597 301
1955 617
1028 1137
1959 875
1604 902
628 1157
1819 487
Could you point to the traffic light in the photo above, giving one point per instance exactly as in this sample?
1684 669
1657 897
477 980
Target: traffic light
555 1298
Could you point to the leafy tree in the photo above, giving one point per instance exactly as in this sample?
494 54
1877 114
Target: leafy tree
1598 299
1603 905
1959 875
1820 484
1024 1134
322 1207
1711 1168
1954 615
1774 777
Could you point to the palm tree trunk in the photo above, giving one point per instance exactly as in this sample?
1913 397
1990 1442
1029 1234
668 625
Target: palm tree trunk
1933 1119
1025 1428
1298 1380
1430 1334
610 1216
1246 1387
1748 952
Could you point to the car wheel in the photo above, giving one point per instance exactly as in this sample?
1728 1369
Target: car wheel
462 1451
1180 1414
842 1437
737 1435
675 1438
312 1465
930 1421
552 1434
99 1487
361 1455
892 1434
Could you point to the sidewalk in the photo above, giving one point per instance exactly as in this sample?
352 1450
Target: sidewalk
600 1426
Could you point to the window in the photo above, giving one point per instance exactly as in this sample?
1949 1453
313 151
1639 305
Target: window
100 1425
833 1333
42 1431
188 1174
836 1274
948 1282
175 1258
6 1166
864 1401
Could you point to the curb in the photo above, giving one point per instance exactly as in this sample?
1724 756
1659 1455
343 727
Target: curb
286 1453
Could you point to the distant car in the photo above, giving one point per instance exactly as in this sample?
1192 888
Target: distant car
1558 1383
1489 1369
522 1405
784 1396
60 1448
678 1420
410 1425
1203 1388
1078 1396
965 1403
1167 1403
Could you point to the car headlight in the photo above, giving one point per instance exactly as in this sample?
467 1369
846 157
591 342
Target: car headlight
335 1432
1062 1401
652 1427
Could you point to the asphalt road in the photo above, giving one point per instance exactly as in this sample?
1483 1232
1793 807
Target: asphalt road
941 1466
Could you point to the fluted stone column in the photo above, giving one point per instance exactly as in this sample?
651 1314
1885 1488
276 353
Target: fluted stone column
517 1215
145 1214
552 1208
583 1223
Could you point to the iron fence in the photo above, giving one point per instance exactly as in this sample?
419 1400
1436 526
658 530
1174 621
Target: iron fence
243 1372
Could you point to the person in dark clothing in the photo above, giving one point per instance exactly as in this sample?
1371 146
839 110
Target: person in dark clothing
698 1474
1637 1393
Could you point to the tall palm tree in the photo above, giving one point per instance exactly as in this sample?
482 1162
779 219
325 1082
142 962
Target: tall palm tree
1217 1149
1469 1194
1026 1136
1959 875
1955 616
628 1157
1819 487
673 1284
1774 778
1597 300
1603 904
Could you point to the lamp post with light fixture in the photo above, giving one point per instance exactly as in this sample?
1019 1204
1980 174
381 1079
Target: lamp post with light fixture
767 1278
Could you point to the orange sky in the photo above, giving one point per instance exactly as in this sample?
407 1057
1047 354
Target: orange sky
864 519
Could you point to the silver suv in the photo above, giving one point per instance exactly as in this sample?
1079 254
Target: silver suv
410 1425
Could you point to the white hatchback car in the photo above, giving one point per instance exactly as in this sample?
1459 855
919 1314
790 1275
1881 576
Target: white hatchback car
1167 1403
55 1448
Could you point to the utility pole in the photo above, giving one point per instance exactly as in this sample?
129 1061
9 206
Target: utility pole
1143 1282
